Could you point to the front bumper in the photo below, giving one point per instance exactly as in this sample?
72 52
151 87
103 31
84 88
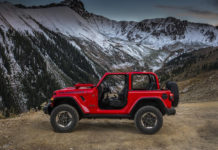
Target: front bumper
47 108
170 111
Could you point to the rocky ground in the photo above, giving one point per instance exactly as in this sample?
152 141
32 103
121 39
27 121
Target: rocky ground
195 126
202 87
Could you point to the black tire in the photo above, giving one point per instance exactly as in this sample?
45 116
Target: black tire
173 87
146 110
64 108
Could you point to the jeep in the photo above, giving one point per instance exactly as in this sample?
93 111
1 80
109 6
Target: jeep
132 95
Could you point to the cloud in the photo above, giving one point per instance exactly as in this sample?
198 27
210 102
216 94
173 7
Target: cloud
189 11
214 3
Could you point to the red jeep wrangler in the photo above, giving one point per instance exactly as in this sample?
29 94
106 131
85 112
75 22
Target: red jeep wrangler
132 95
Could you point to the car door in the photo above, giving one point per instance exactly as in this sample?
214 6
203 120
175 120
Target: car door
113 93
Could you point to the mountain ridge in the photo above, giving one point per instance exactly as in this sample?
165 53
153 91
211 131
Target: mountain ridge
78 4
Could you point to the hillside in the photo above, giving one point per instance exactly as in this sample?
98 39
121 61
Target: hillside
49 47
195 126
202 87
196 73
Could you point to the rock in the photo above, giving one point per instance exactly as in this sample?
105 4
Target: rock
185 90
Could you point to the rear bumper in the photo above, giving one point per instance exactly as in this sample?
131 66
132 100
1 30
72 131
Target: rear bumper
47 108
170 111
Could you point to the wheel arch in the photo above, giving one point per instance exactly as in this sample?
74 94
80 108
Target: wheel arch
156 102
67 100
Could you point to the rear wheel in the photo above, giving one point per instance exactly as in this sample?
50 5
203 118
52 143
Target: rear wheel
148 120
64 118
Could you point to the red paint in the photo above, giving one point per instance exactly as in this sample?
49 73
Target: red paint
79 85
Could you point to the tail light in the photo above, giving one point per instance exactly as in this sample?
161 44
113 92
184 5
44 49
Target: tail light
171 97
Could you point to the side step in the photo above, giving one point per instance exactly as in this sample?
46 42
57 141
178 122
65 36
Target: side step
108 116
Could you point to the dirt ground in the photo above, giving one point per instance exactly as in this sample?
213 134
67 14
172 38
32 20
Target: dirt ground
195 126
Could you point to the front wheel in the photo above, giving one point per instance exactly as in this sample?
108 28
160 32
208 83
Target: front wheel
64 118
148 119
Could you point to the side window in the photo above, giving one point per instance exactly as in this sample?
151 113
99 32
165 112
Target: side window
143 82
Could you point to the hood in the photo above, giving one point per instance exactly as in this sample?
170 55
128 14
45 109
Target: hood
77 88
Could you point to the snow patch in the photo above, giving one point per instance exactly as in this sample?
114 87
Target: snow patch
122 65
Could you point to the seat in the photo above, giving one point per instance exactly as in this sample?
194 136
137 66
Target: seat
121 100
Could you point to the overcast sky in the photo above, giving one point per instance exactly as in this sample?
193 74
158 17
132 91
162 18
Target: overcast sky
204 11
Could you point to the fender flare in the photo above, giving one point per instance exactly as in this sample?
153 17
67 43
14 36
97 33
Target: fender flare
72 101
145 100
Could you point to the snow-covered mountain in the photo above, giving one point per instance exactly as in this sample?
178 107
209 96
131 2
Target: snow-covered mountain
48 47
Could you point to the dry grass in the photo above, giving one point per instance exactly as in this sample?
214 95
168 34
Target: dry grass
194 127
1 115
202 87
